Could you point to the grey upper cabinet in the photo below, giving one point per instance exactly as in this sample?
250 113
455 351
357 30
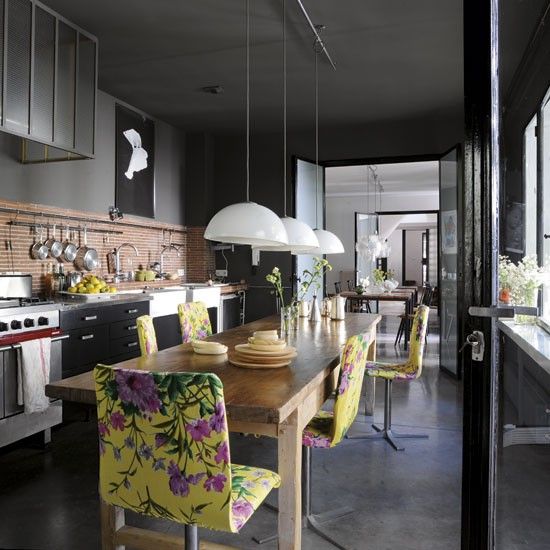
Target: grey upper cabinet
48 83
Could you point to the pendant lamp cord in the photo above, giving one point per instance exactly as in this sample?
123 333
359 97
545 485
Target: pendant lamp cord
316 50
247 100
284 106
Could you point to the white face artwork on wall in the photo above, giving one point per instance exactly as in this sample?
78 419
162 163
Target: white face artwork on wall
138 161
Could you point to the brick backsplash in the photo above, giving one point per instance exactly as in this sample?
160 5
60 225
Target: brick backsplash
196 256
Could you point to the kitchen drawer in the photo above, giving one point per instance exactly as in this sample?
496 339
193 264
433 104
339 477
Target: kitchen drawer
127 345
120 329
86 317
85 346
123 312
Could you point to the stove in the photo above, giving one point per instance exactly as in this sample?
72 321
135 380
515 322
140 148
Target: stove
22 319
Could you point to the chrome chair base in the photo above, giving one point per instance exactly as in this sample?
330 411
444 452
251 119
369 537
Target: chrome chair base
309 520
390 436
191 537
386 432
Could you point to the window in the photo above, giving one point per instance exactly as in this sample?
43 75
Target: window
544 228
530 185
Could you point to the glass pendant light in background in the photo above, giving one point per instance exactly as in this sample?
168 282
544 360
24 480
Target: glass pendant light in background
370 246
375 243
247 222
329 243
300 236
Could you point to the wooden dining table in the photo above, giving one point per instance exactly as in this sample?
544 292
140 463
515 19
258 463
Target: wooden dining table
271 402
406 295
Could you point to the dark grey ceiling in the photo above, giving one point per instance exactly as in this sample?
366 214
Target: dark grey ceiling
396 59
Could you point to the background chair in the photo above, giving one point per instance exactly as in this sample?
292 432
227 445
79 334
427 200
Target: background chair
164 452
426 300
194 321
408 371
146 335
328 428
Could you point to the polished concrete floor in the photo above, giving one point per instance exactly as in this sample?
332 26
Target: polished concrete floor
406 500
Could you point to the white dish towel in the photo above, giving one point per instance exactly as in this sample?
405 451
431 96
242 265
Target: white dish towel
33 369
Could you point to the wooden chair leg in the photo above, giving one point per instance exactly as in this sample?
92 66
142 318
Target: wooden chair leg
112 519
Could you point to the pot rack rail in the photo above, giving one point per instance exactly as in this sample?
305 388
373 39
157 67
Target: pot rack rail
83 221
62 227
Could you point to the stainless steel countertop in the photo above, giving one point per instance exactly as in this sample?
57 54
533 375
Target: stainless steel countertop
69 304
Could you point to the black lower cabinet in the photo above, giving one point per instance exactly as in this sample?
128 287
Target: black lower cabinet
167 329
104 334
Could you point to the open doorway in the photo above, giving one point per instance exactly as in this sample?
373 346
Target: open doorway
404 211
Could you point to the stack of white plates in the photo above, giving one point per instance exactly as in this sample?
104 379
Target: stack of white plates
264 351
208 348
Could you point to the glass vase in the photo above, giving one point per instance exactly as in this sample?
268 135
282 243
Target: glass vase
289 319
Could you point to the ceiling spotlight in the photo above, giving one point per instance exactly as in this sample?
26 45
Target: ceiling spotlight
212 90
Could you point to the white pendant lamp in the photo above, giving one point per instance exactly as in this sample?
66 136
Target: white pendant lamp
247 222
300 236
329 243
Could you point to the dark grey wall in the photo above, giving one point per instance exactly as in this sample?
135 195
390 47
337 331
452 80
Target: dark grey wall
89 185
206 194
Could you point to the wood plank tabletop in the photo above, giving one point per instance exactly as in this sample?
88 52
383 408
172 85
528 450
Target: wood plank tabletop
263 396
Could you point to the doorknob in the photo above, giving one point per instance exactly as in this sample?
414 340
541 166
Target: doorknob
477 341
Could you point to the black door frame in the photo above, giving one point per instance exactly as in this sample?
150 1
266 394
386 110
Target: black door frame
477 283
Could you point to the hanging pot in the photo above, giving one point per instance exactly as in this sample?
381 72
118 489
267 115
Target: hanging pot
55 247
69 248
86 257
39 251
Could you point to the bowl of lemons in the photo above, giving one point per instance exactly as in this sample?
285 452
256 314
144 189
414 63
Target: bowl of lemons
91 286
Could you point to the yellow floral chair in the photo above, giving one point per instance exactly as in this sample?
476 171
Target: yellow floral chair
164 452
146 334
408 371
194 321
328 428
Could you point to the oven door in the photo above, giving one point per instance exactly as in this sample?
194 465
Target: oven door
8 375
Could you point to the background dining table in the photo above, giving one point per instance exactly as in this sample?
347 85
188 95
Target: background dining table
407 295
272 402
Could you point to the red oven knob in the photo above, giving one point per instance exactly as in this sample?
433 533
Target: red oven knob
3 327
15 325
28 323
43 321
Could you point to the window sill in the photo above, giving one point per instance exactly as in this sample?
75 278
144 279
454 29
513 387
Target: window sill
534 340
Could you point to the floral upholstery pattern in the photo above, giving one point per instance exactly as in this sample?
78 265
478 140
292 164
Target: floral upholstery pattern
194 321
164 449
146 334
327 429
412 369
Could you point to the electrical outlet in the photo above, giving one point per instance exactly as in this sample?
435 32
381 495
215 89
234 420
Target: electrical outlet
181 272
221 272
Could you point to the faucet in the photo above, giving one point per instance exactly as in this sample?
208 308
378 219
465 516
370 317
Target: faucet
166 248
118 273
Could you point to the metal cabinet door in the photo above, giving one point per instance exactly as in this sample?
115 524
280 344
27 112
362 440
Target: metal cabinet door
10 384
1 385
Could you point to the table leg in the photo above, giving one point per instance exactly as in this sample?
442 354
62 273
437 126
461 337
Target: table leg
112 519
409 310
370 381
290 492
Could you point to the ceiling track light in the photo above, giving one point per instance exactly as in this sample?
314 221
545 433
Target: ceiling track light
247 223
